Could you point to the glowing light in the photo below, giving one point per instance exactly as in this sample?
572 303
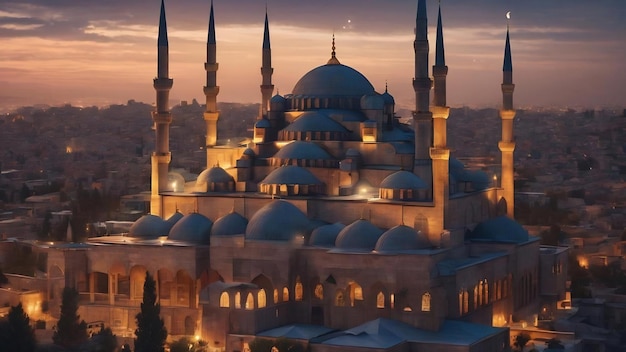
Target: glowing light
508 15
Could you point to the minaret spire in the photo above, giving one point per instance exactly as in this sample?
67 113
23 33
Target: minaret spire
267 88
162 118
422 117
507 115
211 90
333 56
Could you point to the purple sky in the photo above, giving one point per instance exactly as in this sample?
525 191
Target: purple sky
565 53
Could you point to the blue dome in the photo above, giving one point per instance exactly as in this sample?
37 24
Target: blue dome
262 123
194 228
229 225
277 221
401 238
277 99
372 102
313 121
149 227
360 235
499 229
290 175
174 219
333 80
403 180
388 98
302 151
326 235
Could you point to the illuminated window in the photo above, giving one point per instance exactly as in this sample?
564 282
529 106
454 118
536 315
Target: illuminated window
380 300
339 299
392 301
249 301
275 295
319 291
481 290
238 300
460 302
298 289
285 294
426 302
224 300
356 293
465 302
407 309
261 297
486 298
476 297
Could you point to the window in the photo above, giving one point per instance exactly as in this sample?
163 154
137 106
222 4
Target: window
224 300
319 291
238 300
275 295
392 301
380 300
298 289
261 297
339 299
426 302
249 301
356 293
285 294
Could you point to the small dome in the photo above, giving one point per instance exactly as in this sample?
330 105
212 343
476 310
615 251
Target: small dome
194 228
302 151
214 179
388 98
313 121
175 182
277 221
174 218
290 175
262 123
249 152
403 180
360 235
149 227
229 225
277 99
334 80
401 238
499 229
372 102
326 235
455 165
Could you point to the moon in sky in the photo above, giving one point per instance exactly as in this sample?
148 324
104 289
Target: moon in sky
508 15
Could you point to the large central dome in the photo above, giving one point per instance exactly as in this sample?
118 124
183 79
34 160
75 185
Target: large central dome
333 80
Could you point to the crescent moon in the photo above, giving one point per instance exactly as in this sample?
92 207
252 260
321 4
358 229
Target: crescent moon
508 15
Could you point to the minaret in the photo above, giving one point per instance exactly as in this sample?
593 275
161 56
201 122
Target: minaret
211 90
267 88
162 118
439 153
422 117
507 144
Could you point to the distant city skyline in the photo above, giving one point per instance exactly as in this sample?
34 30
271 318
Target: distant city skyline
565 53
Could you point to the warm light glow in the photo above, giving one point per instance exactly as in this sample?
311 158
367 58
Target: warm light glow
583 261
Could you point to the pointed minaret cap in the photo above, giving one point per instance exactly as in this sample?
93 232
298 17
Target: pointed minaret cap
440 56
508 65
162 40
333 58
211 38
266 33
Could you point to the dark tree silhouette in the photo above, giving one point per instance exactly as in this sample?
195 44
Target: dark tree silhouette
104 341
70 331
151 332
16 334
521 340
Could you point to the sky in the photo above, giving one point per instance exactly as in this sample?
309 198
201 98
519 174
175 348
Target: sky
92 52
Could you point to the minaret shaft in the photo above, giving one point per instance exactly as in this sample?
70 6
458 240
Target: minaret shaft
211 90
507 143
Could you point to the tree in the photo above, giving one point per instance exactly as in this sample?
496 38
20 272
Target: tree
16 334
70 332
104 341
151 332
521 340
261 345
183 345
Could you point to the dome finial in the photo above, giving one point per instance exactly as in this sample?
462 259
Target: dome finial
333 58
386 86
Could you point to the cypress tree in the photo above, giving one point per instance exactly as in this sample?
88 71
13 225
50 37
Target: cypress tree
70 332
151 333
16 334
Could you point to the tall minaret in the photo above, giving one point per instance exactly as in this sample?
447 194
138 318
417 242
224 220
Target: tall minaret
267 88
211 90
422 117
162 118
507 114
439 153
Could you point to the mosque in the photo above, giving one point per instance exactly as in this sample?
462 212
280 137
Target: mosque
337 226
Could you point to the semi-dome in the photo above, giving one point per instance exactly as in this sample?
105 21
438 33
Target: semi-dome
388 98
277 221
401 238
262 123
403 180
333 80
326 235
302 150
360 235
194 228
214 179
229 225
499 229
149 227
313 121
291 175
372 102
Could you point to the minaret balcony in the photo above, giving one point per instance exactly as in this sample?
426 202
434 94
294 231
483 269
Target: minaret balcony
162 83
440 112
506 114
211 91
422 84
506 146
437 153
211 67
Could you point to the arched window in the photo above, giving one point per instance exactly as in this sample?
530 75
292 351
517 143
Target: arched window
339 299
392 301
486 293
461 302
426 302
298 289
476 297
275 295
238 300
285 294
481 291
380 300
249 301
262 298
356 293
224 300
319 291
465 302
